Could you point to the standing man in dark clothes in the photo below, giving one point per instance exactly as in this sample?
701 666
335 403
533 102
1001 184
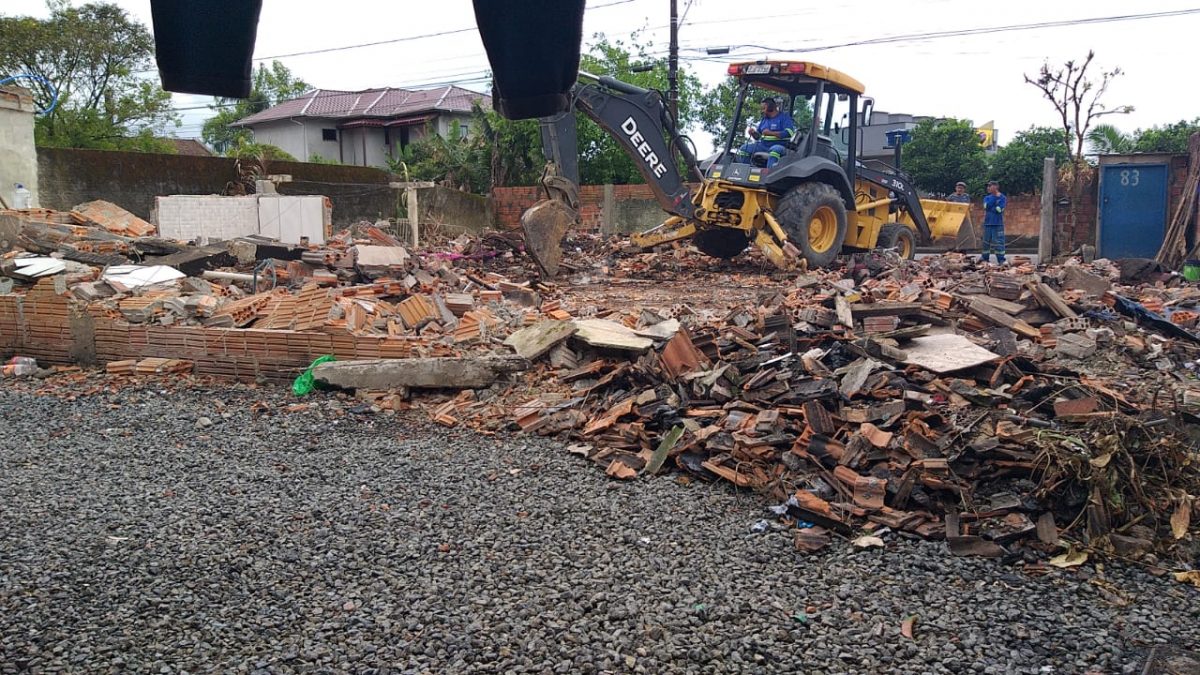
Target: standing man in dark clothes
960 194
994 204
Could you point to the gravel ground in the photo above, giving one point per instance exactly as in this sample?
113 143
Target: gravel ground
137 537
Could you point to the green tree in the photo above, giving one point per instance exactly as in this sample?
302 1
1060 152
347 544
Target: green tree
451 160
601 159
1166 138
512 149
1105 139
1019 164
715 111
248 149
93 54
500 152
272 85
943 152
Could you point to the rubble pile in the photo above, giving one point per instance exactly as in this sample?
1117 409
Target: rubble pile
360 285
997 408
934 398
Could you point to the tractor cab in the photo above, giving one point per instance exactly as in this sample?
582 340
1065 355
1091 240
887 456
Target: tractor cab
822 103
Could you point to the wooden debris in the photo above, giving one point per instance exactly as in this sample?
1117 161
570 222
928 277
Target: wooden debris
996 317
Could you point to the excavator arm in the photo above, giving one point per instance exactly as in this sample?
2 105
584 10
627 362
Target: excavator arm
638 119
905 194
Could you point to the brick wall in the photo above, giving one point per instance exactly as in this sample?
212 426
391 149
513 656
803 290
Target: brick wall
55 329
1023 219
509 202
1066 237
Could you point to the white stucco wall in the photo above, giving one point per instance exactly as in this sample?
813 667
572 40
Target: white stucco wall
18 157
362 146
445 122
300 139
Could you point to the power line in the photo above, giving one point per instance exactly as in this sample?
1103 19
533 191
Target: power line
327 50
484 75
409 38
970 31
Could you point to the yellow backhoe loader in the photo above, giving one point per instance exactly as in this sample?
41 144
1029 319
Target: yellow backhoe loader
816 200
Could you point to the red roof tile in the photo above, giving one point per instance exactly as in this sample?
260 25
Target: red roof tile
369 103
190 146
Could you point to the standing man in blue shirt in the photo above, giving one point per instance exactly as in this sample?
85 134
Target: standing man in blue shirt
774 129
994 204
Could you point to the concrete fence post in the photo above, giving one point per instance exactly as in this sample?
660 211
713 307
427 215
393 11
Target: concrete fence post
413 215
610 209
1046 235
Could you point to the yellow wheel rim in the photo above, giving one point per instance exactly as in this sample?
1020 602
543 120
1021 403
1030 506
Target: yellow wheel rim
905 248
822 229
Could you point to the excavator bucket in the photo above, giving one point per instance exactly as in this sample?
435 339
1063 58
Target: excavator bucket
545 224
949 221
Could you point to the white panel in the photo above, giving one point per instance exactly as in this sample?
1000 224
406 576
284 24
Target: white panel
292 217
269 217
205 218
313 219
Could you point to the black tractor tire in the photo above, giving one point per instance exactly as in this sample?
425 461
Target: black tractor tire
813 216
721 242
898 237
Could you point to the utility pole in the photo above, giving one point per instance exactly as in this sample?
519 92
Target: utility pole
673 64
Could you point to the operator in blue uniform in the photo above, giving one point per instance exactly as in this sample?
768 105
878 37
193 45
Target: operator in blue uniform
994 204
774 129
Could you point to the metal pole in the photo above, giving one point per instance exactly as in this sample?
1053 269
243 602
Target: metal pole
1046 234
673 64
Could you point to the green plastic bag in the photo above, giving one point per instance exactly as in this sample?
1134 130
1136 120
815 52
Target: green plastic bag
305 383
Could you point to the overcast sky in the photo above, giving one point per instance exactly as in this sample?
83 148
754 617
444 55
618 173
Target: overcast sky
975 77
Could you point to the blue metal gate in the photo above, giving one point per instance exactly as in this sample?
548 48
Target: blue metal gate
1133 210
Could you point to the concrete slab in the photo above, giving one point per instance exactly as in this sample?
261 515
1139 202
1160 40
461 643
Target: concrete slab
946 353
533 341
431 373
610 335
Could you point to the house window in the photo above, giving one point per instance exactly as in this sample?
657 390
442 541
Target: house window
403 137
463 130
329 134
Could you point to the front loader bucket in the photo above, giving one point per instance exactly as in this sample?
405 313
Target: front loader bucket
545 224
947 219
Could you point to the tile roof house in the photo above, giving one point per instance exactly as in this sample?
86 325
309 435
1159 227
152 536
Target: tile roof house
190 147
363 128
